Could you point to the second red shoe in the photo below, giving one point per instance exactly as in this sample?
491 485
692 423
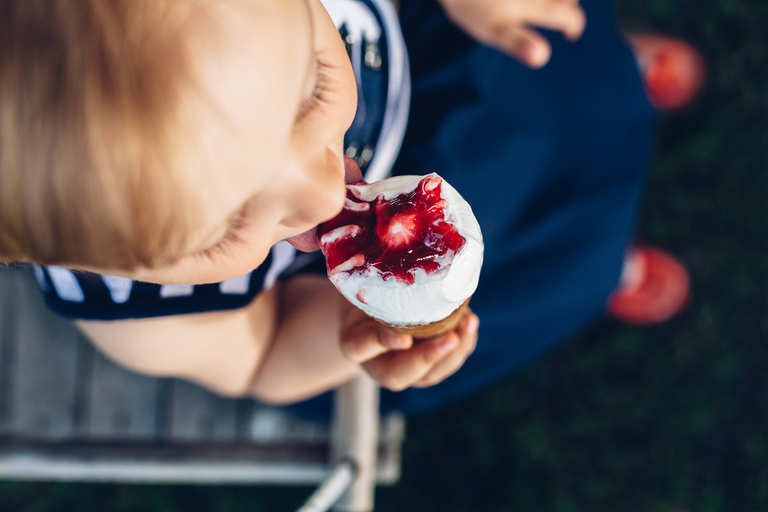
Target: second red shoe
654 288
673 71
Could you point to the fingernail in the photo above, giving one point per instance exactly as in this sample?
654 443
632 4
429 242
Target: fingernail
393 340
349 348
470 324
537 55
447 344
473 324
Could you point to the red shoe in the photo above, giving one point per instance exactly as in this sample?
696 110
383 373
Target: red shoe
654 287
673 71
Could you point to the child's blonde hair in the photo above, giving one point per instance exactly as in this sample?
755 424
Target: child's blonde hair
90 131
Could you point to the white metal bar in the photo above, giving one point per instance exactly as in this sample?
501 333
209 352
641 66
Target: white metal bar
332 488
355 435
33 466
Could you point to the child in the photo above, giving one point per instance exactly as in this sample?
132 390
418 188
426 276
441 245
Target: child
151 154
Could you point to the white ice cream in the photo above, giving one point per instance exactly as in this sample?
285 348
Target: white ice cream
433 296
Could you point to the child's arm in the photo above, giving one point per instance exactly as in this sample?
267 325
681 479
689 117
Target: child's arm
290 343
507 25
323 340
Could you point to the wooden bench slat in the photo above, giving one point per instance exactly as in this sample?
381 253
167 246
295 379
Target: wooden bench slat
197 414
121 404
44 376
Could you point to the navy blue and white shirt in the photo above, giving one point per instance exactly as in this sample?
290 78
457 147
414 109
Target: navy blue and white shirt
374 42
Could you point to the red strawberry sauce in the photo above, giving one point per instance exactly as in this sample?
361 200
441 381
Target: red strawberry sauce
396 236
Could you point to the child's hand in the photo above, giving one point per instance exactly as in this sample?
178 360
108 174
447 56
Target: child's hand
396 362
507 24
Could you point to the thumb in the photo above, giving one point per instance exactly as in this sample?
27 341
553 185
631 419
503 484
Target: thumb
365 339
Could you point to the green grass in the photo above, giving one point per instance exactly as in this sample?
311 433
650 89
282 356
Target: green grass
667 419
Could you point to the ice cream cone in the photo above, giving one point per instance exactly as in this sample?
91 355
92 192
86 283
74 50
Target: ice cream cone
407 251
434 329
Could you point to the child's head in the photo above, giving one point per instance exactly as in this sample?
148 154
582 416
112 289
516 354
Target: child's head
168 140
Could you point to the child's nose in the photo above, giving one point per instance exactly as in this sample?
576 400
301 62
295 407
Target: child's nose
318 190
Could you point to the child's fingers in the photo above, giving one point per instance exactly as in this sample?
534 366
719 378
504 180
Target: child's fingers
509 25
512 30
397 370
467 335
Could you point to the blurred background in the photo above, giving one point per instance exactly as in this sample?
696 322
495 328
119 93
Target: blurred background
670 418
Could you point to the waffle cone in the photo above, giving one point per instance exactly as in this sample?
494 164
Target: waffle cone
434 329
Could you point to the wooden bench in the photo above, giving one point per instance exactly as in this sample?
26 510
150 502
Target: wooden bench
67 413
